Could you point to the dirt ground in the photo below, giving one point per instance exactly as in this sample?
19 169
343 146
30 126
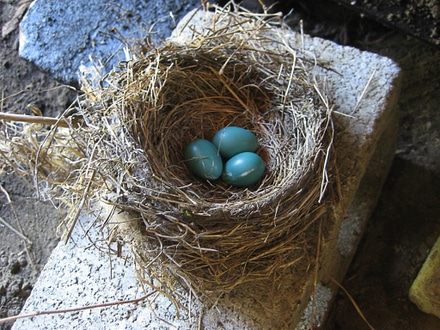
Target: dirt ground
403 228
25 247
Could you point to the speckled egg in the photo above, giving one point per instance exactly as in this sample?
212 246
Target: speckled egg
244 169
202 159
233 140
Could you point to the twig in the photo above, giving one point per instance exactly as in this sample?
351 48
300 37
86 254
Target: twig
356 107
15 231
34 119
2 101
75 309
353 302
4 191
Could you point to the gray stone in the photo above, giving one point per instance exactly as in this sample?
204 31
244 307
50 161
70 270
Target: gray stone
59 36
364 87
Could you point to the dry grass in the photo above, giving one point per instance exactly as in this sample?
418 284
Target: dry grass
209 236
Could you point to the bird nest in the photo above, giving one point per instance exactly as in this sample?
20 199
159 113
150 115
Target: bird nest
138 120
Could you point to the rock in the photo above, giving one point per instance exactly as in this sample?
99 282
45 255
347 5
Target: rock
417 18
59 36
425 290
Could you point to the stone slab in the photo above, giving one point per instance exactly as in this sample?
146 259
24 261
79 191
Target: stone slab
60 36
364 87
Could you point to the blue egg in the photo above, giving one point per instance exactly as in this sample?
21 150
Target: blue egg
202 159
233 140
244 169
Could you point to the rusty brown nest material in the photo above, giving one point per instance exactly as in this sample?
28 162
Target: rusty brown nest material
207 235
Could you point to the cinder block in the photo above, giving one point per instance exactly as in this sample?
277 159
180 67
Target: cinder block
364 88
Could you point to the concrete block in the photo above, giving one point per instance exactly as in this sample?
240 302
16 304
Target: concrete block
425 290
364 88
60 36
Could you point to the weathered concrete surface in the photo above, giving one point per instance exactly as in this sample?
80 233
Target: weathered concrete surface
59 36
363 87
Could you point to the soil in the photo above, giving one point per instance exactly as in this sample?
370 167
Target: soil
401 232
25 249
